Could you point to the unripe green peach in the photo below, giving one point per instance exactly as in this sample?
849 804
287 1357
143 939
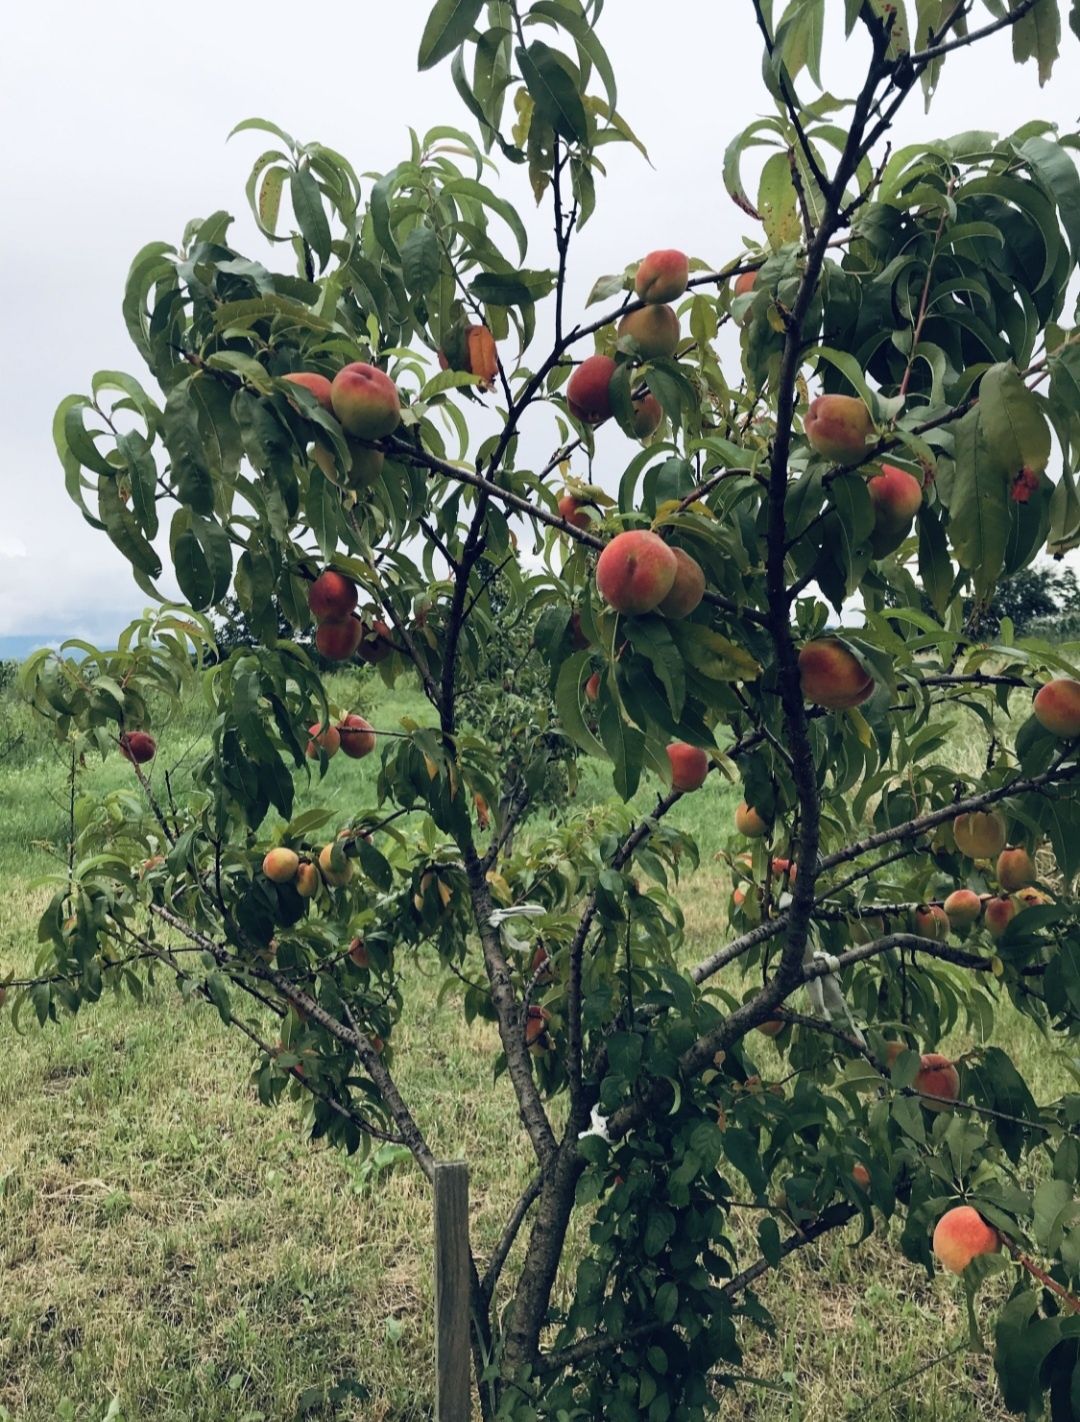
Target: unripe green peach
838 427
653 329
662 276
636 571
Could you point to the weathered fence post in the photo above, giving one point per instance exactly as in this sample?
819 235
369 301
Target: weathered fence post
452 1366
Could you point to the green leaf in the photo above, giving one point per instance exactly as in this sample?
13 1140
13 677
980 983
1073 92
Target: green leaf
447 27
270 198
553 91
1012 420
625 746
310 214
573 673
935 566
777 202
978 505
1037 37
420 259
180 430
522 288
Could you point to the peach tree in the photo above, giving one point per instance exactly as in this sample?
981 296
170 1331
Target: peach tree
821 455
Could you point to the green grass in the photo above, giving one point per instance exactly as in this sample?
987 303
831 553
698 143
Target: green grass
167 1241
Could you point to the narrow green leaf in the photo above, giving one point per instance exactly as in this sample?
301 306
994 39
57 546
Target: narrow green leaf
310 214
447 27
554 92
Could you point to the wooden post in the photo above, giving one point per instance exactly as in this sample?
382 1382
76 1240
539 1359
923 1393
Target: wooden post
452 1365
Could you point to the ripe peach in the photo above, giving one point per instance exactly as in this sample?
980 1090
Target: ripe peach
1015 869
375 643
323 738
280 865
688 588
331 595
893 1050
647 416
1057 707
576 633
771 1027
337 639
662 276
366 401
572 511
785 869
963 907
653 329
831 676
860 1175
636 571
980 833
472 349
587 392
318 385
897 497
937 1077
483 812
745 283
307 880
749 823
998 914
138 746
536 1021
689 766
358 953
931 921
357 736
336 877
540 965
961 1235
592 687
1031 898
838 427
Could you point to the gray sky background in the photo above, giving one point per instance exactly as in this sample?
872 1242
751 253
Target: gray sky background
116 116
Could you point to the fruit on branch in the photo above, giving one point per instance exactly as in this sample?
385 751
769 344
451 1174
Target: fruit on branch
689 766
688 588
785 869
1031 898
771 1027
937 1077
653 329
897 497
592 687
961 1235
588 392
483 812
745 283
573 512
357 736
325 739
331 596
138 746
894 1050
998 914
963 907
647 415
931 921
980 833
831 676
366 465
662 276
280 865
338 638
536 1033
375 643
365 401
471 349
860 1175
358 954
868 929
576 633
838 427
1015 868
307 880
337 876
317 385
636 571
749 823
1057 707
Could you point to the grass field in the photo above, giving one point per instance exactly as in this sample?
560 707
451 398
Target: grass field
171 1250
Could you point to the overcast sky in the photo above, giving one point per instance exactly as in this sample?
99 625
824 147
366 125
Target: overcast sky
116 116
